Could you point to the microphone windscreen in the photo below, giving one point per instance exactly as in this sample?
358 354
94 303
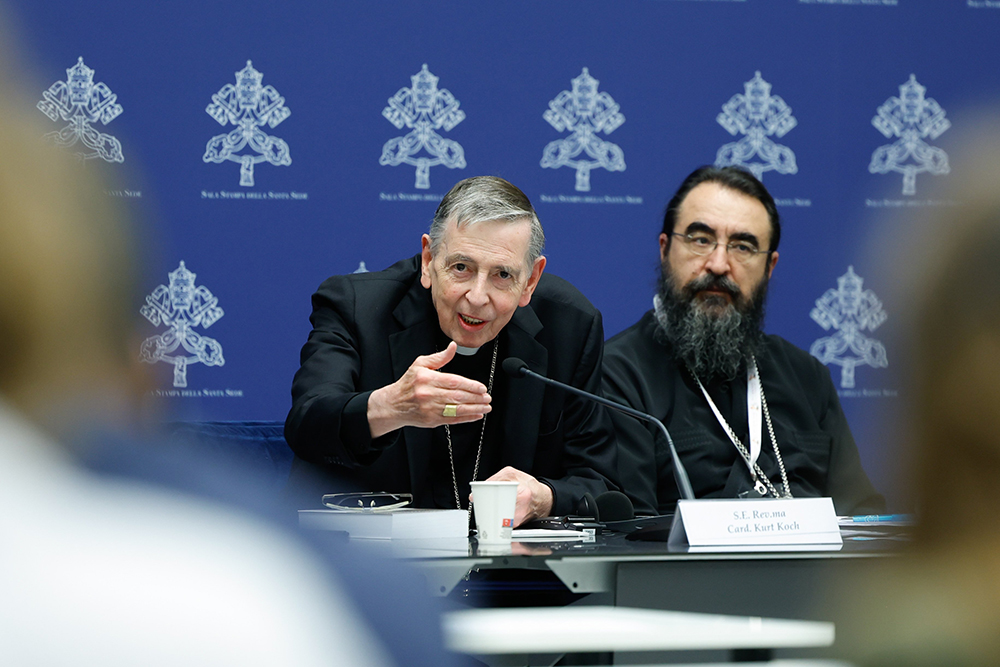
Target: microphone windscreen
514 367
615 506
587 507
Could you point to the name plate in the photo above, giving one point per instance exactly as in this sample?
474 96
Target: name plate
735 523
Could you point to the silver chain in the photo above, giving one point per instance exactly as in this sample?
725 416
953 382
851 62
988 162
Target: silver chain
482 434
774 441
758 472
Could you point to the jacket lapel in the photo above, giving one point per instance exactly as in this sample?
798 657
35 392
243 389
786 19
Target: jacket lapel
524 395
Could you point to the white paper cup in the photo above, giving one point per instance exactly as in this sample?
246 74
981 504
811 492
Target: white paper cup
493 504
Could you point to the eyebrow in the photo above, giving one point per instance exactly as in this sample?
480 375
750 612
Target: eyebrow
738 236
699 227
451 259
745 236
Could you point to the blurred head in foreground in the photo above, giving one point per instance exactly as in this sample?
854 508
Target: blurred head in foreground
66 269
941 604
956 361
109 570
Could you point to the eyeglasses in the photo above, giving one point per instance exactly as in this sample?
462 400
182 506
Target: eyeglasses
366 502
703 244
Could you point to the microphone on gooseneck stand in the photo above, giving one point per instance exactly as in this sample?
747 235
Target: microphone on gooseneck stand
516 368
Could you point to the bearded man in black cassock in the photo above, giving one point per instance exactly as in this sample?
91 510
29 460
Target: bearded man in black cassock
751 415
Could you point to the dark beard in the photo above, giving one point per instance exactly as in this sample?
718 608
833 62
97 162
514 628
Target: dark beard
713 337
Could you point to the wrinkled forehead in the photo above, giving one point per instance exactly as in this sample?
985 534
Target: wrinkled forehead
512 235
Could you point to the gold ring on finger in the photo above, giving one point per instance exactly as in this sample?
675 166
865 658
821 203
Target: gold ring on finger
450 410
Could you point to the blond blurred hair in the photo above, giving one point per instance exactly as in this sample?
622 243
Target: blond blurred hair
66 274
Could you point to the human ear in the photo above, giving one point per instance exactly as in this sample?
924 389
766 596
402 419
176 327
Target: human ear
425 261
529 289
772 260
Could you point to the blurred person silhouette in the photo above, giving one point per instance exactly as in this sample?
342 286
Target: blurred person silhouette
940 603
112 569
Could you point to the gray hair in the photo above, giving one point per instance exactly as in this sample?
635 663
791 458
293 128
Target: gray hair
482 199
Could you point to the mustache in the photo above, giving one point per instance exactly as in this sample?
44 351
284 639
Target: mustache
710 281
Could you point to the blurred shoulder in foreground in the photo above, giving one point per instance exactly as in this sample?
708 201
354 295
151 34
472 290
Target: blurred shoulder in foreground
110 568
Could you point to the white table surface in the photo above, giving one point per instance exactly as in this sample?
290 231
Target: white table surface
603 628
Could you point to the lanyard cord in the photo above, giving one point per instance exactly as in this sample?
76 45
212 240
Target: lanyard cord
755 397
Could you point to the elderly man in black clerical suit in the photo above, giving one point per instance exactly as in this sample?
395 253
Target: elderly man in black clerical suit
750 414
401 383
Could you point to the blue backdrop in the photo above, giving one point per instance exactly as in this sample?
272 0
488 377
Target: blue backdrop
354 119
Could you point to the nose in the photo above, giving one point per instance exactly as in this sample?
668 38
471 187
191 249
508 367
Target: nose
478 294
717 261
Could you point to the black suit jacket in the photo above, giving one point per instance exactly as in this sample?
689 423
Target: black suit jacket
367 330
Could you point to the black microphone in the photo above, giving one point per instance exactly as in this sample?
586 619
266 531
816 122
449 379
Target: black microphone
516 368
615 506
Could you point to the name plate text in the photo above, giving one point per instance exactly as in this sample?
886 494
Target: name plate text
726 523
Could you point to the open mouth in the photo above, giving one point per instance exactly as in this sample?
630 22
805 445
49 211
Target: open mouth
471 321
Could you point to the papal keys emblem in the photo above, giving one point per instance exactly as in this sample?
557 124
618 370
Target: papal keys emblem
584 113
758 115
249 106
849 310
911 118
424 108
181 307
83 103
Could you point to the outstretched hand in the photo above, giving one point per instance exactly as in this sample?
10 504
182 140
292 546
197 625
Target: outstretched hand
420 396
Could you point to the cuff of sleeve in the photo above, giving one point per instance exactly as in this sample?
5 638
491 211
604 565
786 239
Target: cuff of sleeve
357 435
556 511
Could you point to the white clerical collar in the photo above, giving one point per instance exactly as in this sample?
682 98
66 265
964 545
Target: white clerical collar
466 351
